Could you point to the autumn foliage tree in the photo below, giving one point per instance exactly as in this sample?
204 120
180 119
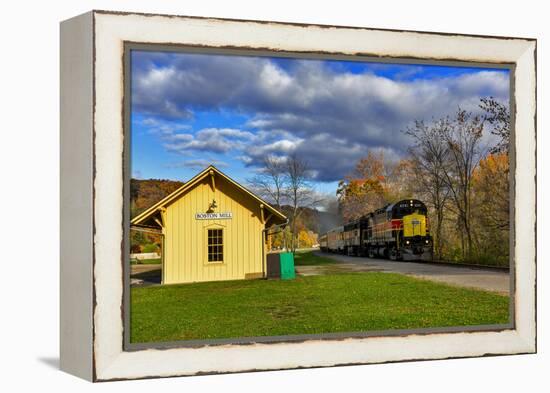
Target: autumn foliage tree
306 238
491 190
374 183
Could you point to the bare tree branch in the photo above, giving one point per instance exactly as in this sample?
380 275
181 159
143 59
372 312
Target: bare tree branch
298 190
270 183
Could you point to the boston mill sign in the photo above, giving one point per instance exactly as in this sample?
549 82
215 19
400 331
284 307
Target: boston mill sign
214 216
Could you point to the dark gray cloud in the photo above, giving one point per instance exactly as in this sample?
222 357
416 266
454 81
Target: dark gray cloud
198 164
331 117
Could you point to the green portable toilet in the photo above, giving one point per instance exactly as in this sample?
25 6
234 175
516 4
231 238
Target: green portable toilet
287 266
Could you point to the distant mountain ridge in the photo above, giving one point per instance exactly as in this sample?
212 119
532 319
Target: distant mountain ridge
317 221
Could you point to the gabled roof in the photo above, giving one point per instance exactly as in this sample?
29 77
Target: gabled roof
140 218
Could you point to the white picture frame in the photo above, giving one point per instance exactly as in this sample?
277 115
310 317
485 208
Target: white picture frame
92 177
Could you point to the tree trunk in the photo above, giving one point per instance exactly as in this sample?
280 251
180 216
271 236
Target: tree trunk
439 248
293 243
466 224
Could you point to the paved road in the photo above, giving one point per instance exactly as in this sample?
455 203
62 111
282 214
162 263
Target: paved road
487 279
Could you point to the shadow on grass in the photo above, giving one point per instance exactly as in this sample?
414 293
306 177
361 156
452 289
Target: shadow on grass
149 276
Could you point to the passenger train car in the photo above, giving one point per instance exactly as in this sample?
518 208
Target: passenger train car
335 239
399 231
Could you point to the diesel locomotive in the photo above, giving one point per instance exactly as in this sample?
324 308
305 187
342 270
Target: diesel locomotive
398 231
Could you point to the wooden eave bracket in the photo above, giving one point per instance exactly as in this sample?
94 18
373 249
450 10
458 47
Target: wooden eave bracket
213 180
160 222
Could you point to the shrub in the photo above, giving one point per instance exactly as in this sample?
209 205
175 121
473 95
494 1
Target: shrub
151 247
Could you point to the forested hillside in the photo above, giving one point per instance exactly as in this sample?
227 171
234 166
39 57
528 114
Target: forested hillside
145 193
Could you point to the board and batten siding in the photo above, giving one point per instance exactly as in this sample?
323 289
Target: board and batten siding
185 237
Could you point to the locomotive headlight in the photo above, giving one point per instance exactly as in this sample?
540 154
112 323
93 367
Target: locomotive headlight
407 242
427 241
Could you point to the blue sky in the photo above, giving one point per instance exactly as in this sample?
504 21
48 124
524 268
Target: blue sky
189 110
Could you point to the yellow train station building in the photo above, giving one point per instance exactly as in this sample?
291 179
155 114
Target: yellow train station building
213 229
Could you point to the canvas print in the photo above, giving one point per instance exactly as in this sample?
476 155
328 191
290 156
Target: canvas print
300 197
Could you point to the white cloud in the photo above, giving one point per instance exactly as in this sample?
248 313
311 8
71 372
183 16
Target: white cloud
217 140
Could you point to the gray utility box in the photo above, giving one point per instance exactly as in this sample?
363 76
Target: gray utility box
274 265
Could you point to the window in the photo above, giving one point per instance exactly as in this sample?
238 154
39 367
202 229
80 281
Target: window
215 245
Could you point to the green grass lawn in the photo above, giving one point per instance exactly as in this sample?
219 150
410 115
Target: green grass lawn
155 261
307 258
308 305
